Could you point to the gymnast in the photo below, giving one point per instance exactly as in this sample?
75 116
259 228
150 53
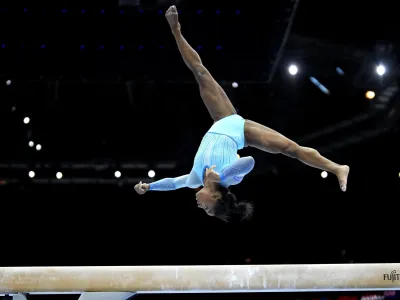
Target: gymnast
216 164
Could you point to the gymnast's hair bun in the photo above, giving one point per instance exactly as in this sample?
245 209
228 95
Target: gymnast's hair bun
245 210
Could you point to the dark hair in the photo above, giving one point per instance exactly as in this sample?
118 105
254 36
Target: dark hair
228 206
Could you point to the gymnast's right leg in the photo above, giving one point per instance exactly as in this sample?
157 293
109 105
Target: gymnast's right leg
269 140
217 102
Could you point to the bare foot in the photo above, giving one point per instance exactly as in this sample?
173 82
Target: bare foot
342 174
172 17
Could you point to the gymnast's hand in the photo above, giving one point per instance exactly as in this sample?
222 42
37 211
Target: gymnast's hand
142 188
212 175
172 18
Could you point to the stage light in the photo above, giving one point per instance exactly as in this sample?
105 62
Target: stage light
26 120
43 46
8 82
235 85
380 70
199 47
31 144
151 174
38 147
59 175
237 12
31 174
141 47
82 46
293 70
160 12
324 174
102 11
83 11
117 174
199 12
319 85
339 71
370 95
121 12
219 47
25 10
217 12
101 47
64 11
121 47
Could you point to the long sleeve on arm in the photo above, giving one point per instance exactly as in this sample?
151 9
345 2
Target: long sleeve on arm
234 173
169 184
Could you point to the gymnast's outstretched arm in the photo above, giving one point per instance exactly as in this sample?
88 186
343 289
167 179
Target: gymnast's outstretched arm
169 184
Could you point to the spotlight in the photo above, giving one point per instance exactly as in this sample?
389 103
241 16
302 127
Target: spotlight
380 70
370 95
293 70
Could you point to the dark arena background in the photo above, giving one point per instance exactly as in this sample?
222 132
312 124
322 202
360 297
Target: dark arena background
95 97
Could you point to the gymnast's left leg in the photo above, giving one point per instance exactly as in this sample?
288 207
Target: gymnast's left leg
268 140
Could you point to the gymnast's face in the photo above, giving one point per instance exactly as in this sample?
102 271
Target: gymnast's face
206 199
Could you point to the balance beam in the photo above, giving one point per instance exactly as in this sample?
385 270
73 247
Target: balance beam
205 279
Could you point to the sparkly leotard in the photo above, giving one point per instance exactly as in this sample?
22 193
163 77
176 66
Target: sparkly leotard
219 147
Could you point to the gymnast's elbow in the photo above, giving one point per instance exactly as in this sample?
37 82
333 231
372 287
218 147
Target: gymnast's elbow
250 162
192 185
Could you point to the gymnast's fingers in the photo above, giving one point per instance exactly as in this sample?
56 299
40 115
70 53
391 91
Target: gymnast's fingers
138 188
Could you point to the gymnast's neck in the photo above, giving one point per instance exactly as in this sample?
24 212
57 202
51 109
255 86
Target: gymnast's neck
212 185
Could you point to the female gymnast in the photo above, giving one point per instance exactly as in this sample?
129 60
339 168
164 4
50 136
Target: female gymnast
216 164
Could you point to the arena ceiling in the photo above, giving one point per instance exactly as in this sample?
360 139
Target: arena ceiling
105 82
